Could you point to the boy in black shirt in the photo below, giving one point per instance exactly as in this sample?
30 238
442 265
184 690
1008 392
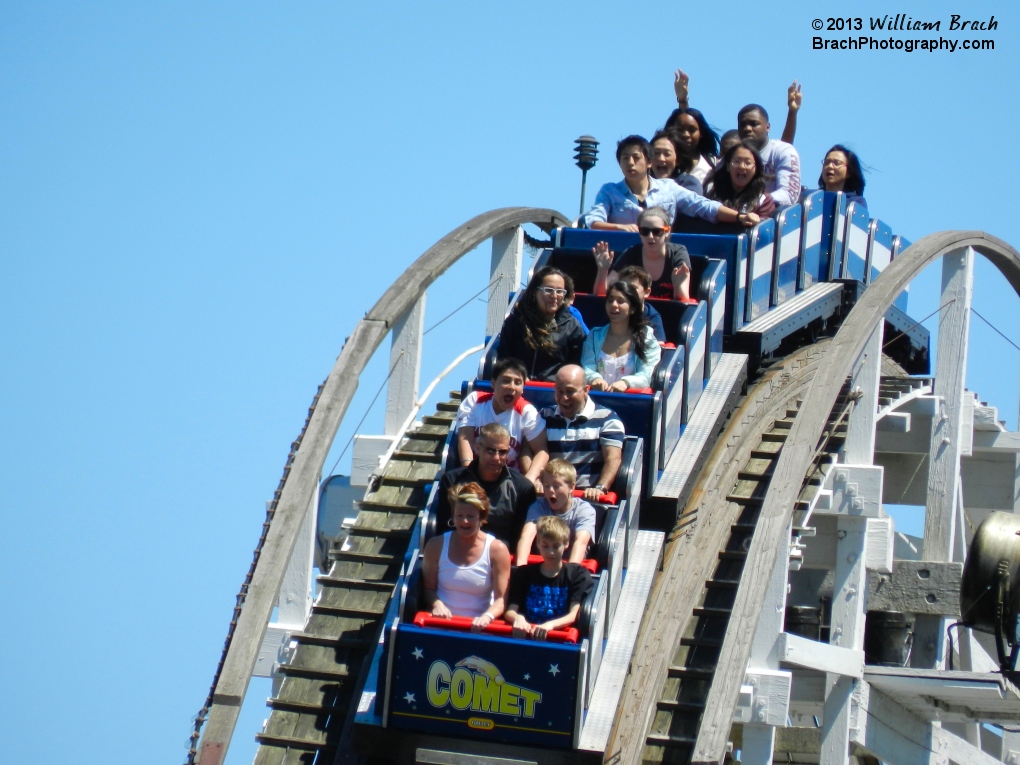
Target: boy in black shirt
548 595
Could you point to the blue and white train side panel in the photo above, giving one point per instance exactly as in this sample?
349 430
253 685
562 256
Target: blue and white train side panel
900 243
880 243
855 247
819 219
838 237
673 397
787 268
713 292
694 327
762 256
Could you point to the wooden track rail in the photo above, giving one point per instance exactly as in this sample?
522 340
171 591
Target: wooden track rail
303 478
314 704
795 460
689 611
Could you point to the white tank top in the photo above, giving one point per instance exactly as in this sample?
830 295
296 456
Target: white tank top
466 590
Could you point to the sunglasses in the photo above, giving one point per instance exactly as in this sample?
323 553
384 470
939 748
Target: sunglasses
493 452
552 291
646 231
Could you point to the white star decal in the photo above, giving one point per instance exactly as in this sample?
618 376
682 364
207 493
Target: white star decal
554 669
417 653
527 676
409 697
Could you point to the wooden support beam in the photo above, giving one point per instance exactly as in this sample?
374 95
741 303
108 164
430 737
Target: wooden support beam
950 377
917 587
859 448
946 438
795 461
759 737
405 363
504 275
888 731
823 657
846 631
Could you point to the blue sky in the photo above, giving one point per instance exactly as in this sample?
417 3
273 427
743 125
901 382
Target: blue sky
198 201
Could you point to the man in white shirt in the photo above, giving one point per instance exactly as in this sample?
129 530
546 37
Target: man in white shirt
781 160
506 406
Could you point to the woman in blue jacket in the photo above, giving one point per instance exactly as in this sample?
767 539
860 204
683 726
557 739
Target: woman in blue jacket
623 354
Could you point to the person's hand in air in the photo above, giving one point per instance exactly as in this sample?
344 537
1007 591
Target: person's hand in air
603 257
680 82
794 97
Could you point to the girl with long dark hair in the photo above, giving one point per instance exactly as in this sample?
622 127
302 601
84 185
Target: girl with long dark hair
740 182
697 138
624 353
841 171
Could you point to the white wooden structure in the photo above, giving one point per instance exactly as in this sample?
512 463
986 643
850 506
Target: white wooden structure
933 445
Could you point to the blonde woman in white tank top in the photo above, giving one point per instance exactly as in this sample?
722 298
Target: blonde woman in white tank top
466 572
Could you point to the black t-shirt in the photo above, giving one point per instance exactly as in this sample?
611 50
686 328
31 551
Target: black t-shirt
663 286
541 598
510 496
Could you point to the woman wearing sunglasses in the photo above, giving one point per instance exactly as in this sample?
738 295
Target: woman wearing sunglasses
624 353
668 264
540 331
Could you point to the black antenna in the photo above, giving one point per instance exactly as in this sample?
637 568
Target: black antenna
587 149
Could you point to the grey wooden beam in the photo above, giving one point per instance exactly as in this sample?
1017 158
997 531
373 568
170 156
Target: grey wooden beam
946 434
306 470
504 275
795 460
405 367
950 376
917 587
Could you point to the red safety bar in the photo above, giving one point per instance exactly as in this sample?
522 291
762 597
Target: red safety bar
589 563
609 498
497 627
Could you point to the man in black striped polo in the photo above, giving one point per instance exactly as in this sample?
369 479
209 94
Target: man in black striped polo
583 433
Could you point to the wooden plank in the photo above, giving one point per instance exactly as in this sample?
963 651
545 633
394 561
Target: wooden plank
691 557
306 470
985 440
950 377
859 448
946 439
847 632
917 587
888 731
405 365
504 275
823 657
795 460
958 750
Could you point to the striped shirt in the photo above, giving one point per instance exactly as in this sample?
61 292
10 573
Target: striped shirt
580 441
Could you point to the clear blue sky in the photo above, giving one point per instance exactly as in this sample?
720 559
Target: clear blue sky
198 201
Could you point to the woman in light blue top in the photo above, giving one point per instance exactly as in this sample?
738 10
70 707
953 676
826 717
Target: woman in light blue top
623 354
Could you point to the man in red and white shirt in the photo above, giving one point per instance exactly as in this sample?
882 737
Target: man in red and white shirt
506 406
